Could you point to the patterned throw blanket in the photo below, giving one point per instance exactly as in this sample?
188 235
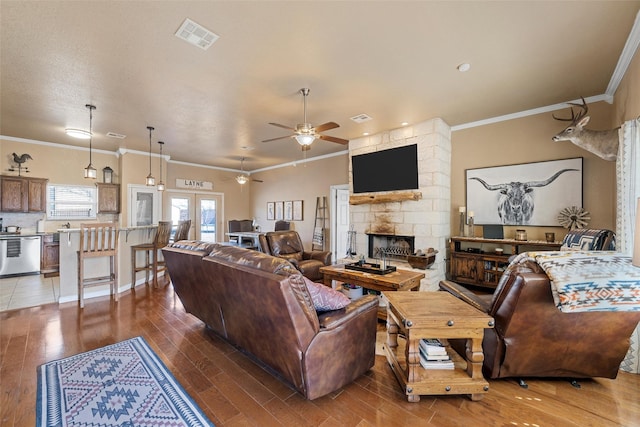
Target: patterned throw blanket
589 280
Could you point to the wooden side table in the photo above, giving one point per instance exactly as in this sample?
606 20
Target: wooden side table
418 315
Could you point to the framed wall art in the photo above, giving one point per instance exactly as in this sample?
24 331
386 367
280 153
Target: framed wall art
279 211
270 211
297 210
288 210
524 194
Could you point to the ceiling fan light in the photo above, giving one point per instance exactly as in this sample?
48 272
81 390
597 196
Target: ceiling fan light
242 179
305 139
78 133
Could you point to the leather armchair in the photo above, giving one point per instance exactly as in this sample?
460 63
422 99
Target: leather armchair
533 338
288 245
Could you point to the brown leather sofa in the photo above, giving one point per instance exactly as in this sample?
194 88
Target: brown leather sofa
260 304
288 245
533 338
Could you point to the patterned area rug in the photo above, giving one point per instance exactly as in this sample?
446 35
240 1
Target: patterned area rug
123 384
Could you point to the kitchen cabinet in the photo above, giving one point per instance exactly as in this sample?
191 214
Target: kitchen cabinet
50 256
474 261
21 194
108 198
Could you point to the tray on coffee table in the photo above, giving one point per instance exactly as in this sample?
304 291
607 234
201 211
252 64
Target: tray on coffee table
370 268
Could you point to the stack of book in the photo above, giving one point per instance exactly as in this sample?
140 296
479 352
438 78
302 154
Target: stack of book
433 355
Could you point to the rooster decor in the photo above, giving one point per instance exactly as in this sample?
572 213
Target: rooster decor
19 160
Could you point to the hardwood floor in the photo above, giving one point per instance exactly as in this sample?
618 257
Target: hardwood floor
234 391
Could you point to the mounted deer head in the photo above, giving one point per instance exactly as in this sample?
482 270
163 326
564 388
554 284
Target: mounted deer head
602 143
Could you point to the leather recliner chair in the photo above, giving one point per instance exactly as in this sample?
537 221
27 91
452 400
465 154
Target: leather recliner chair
533 338
288 245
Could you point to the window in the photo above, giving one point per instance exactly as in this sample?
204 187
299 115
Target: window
71 202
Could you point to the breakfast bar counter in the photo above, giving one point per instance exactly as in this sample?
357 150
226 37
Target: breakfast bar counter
69 245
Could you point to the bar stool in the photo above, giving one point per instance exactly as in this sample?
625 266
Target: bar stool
152 266
182 232
98 240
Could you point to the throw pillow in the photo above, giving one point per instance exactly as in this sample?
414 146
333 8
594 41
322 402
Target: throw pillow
324 298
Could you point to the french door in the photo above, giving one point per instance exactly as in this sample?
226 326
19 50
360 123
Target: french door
205 210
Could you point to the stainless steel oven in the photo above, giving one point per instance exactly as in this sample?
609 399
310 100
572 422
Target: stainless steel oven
19 255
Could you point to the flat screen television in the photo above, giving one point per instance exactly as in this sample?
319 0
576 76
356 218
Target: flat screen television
386 170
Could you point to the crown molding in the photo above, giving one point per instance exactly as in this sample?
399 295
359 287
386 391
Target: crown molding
56 145
629 50
532 112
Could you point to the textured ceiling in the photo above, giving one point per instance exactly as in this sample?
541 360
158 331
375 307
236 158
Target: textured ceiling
395 61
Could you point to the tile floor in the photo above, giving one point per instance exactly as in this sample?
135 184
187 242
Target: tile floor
28 291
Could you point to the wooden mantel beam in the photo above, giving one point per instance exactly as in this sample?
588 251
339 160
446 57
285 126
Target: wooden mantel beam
385 198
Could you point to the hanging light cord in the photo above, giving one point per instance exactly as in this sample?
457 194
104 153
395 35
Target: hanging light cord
91 108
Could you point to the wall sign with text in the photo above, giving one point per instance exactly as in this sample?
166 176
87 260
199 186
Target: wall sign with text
193 184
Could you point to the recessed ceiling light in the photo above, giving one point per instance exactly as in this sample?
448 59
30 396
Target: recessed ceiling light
366 133
196 34
464 67
78 133
404 123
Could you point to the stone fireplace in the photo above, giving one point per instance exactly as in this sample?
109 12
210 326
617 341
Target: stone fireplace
420 216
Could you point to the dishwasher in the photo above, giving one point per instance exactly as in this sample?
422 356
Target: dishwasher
19 255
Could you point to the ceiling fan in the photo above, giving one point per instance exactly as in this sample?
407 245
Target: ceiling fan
305 133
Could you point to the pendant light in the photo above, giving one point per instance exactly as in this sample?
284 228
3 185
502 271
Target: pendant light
150 179
90 172
161 184
242 178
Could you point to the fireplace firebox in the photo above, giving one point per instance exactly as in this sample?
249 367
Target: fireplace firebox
391 246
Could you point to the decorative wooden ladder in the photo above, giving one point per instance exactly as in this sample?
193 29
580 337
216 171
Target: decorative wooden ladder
319 226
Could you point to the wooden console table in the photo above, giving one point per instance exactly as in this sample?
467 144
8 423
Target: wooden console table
417 315
399 280
483 267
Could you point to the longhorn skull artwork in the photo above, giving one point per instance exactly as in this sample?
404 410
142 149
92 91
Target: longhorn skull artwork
515 203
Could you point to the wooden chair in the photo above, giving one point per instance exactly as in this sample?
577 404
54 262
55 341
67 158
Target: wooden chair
182 232
152 266
282 226
98 240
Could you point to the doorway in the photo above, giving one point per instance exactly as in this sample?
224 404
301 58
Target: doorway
206 211
339 221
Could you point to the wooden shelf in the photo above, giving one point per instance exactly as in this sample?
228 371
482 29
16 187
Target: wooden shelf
483 267
385 198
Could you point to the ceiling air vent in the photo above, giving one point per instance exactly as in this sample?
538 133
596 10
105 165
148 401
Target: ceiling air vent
361 118
196 34
116 135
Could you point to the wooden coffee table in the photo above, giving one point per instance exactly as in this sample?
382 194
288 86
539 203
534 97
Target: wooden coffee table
399 280
417 315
